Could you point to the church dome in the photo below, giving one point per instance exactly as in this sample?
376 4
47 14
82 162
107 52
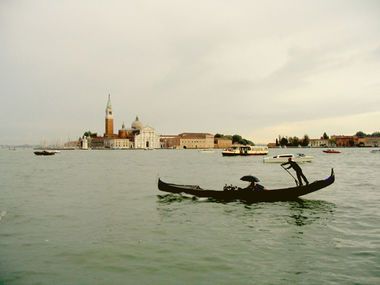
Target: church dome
137 124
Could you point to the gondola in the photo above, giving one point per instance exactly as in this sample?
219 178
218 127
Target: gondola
44 152
283 194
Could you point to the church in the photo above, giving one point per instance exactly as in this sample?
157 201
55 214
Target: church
137 136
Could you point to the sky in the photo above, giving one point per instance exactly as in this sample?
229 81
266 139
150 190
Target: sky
255 68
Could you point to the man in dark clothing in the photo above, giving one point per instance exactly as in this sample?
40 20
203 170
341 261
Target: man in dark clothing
297 169
254 186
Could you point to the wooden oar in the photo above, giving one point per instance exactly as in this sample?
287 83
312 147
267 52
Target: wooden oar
290 175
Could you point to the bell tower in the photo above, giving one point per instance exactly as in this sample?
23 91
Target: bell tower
109 119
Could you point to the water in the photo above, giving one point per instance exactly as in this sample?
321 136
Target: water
97 217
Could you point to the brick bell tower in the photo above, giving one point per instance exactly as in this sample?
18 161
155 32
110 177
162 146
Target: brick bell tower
109 119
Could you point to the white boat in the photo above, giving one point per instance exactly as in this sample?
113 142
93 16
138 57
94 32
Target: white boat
245 150
206 150
280 158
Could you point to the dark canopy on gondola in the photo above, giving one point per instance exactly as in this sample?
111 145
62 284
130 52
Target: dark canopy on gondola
250 178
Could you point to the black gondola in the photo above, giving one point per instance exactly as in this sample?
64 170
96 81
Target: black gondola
284 194
44 152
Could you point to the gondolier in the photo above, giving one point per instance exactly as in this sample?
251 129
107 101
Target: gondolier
297 169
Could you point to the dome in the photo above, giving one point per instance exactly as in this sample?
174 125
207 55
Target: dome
137 124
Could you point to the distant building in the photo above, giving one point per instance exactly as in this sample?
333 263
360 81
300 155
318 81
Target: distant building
321 143
117 143
96 142
344 141
368 142
196 140
169 141
222 143
147 138
138 136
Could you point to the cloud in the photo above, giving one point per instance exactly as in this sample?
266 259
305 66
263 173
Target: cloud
215 66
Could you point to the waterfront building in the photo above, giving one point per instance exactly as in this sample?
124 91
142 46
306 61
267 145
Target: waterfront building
147 138
138 136
169 141
222 143
118 143
272 145
196 140
321 143
344 141
368 142
96 142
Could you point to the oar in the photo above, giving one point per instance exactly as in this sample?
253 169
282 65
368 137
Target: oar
290 175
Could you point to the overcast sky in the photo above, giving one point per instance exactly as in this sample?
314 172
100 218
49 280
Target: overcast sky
255 68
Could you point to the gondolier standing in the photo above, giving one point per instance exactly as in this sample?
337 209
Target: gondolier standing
297 169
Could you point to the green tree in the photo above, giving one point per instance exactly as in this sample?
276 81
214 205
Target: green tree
325 136
236 139
360 134
294 141
375 134
306 140
90 134
284 142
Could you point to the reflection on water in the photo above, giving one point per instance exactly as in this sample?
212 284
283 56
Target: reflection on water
305 212
299 212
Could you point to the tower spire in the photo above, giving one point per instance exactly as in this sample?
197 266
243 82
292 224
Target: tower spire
109 119
109 101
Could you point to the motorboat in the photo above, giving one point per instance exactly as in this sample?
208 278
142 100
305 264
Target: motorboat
280 158
245 150
375 151
331 151
246 195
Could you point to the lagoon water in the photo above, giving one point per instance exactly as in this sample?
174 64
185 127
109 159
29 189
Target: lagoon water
97 217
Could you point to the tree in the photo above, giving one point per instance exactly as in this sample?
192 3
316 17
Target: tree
283 141
360 134
375 134
294 141
306 140
325 136
236 139
219 136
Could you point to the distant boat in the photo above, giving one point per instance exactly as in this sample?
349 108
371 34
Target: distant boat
375 151
280 158
331 151
206 150
45 152
245 150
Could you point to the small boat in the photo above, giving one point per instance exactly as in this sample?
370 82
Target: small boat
375 151
283 194
245 150
44 152
206 150
331 151
280 158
